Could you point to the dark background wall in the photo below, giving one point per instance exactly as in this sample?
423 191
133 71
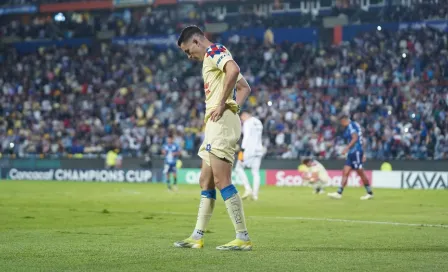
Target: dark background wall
137 163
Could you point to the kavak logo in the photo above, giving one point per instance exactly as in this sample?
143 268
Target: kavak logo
424 180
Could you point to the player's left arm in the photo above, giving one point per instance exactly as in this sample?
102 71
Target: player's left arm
178 151
364 145
310 176
231 70
242 91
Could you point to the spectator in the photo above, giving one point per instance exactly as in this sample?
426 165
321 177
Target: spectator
61 101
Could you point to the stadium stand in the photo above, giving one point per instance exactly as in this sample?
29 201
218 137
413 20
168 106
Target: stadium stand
59 100
157 20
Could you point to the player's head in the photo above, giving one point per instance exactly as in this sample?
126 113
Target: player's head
169 139
307 162
345 120
191 41
244 116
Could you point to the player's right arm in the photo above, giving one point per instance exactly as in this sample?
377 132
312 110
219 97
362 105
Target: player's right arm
354 134
177 151
163 150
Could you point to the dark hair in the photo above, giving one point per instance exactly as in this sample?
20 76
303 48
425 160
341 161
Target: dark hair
344 116
189 32
307 160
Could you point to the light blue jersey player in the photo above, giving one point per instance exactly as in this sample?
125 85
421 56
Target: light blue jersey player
355 157
171 151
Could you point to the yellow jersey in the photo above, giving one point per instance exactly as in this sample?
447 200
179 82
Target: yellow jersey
216 57
111 158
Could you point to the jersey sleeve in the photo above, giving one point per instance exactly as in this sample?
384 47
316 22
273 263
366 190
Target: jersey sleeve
218 55
351 129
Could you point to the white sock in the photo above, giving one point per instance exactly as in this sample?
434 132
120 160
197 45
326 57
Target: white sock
243 177
234 206
205 212
320 184
256 176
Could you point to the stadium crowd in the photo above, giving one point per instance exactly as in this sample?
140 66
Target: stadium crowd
84 100
62 101
163 20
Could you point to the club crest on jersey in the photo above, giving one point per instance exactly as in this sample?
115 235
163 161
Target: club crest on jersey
208 147
215 49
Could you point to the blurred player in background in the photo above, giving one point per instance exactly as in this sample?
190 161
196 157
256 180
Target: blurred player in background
355 157
113 159
171 151
225 92
315 175
251 154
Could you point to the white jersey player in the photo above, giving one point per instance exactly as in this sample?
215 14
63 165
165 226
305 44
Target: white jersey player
315 175
251 155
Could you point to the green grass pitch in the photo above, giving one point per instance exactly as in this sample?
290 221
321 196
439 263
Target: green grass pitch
55 226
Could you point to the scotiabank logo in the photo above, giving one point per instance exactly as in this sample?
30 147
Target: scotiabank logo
294 178
284 178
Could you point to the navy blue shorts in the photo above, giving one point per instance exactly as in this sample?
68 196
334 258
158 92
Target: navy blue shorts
354 159
169 168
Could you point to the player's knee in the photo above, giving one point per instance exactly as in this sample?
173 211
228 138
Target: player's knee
221 182
255 172
206 183
346 171
361 173
218 183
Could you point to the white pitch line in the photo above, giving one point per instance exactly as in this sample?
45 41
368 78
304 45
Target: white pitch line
351 221
330 220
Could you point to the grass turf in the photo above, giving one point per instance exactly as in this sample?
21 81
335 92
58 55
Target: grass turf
55 226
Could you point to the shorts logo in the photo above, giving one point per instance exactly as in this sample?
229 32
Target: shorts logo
208 147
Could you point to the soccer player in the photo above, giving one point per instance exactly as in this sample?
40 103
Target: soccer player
316 175
355 157
171 151
225 91
252 153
